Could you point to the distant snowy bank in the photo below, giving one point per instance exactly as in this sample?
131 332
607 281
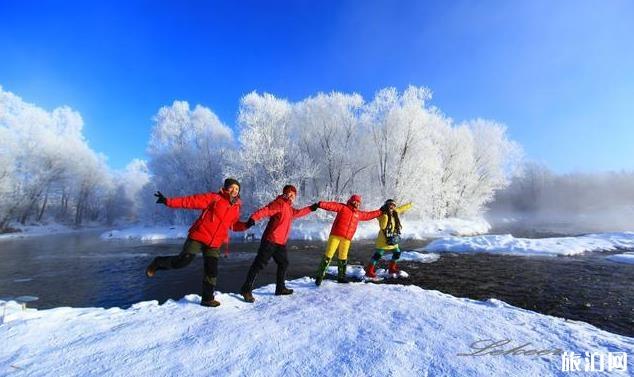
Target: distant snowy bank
40 230
317 230
507 244
627 258
336 330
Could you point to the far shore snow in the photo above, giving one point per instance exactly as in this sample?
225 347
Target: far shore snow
27 231
318 230
507 244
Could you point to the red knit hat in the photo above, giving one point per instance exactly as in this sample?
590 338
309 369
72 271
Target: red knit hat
355 198
289 188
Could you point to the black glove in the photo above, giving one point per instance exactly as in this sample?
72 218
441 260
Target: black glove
313 207
160 198
250 223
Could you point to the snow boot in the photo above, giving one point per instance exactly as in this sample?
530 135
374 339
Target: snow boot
392 268
150 270
321 271
210 303
248 296
370 271
283 291
341 271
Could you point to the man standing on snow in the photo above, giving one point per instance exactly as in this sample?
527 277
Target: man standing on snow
273 244
220 212
343 229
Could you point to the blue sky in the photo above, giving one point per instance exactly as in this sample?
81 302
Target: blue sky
559 74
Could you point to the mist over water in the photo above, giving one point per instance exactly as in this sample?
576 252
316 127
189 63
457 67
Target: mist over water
540 200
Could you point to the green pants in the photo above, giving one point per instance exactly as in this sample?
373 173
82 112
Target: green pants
187 255
378 254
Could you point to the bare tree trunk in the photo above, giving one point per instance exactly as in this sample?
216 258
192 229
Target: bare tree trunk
39 216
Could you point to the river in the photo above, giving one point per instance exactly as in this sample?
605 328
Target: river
81 270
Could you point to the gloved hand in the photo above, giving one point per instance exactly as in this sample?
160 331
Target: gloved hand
250 223
314 206
160 198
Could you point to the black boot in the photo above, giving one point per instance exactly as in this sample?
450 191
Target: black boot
245 291
283 291
341 271
150 270
248 296
321 271
210 303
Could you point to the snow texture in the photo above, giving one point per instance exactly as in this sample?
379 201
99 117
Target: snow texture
38 230
357 272
414 256
507 244
627 258
147 233
354 329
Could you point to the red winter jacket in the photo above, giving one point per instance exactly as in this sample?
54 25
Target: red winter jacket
347 218
282 215
218 216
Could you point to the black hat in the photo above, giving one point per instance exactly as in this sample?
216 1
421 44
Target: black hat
390 201
231 181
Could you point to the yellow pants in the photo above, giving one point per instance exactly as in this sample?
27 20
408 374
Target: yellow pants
337 243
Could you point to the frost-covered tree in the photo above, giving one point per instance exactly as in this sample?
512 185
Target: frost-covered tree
327 127
457 157
329 145
188 152
270 156
405 139
495 160
47 168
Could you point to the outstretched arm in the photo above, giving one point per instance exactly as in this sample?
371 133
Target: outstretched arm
197 201
268 210
297 213
240 226
369 215
331 206
404 208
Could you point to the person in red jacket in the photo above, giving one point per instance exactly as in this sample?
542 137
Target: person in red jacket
281 215
220 212
343 229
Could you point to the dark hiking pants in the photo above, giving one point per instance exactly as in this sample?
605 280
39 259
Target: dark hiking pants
187 255
265 252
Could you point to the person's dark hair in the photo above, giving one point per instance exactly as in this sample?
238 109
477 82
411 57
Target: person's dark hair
288 188
397 221
231 181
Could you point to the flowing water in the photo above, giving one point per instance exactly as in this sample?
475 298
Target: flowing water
81 270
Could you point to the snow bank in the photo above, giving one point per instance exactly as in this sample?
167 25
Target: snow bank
507 244
319 230
415 256
357 272
627 258
147 233
336 330
38 230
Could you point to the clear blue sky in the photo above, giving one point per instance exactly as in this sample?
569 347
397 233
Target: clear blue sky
559 74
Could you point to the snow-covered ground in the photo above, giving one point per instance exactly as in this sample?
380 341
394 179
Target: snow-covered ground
354 329
507 244
415 256
147 233
38 230
627 258
316 230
